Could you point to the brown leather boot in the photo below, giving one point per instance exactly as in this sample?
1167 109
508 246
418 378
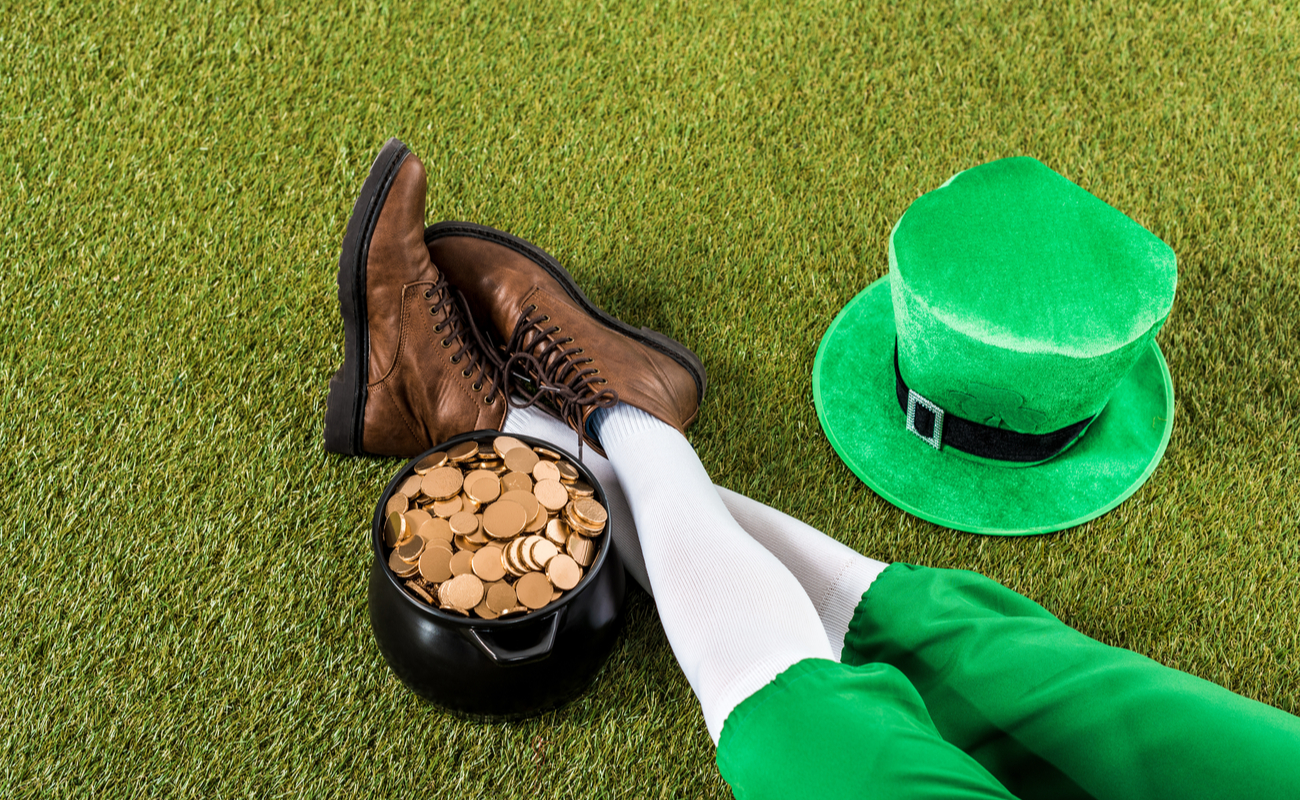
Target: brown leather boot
413 371
577 356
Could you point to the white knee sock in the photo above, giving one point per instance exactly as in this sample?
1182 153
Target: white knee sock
832 575
735 617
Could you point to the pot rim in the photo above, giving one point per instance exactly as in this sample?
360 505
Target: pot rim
544 613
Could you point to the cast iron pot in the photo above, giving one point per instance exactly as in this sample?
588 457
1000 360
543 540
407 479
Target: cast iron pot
505 668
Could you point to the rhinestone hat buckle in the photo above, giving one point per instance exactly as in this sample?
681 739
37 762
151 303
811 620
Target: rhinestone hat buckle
935 439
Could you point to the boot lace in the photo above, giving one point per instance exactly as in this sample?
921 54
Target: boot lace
558 372
459 329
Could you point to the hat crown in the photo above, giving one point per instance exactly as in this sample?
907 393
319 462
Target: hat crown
1020 299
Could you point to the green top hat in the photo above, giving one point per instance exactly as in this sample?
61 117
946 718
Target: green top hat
1004 377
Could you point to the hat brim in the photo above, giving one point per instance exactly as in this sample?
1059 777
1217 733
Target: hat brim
853 390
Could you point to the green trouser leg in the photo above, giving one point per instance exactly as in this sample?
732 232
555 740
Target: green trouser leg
827 730
1053 714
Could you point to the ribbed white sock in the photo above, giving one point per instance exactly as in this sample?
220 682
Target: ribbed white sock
832 575
735 617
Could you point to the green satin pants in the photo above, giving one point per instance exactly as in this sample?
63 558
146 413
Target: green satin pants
953 686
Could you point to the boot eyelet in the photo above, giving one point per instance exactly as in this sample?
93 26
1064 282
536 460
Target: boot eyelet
428 293
465 374
489 401
546 318
455 359
478 387
446 343
437 328
433 311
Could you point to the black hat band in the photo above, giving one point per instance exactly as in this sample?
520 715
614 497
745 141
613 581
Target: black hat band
938 428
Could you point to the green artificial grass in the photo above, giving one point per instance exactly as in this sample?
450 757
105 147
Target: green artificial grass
184 568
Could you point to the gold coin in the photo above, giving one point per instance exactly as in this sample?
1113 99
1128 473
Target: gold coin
441 483
590 511
557 531
516 482
526 553
410 550
500 596
485 489
521 459
513 612
551 494
564 572
462 592
435 564
546 452
477 473
542 551
394 529
431 461
410 487
577 524
486 452
462 563
545 471
466 504
521 565
395 562
441 543
581 489
465 544
568 472
556 595
582 549
396 504
510 559
525 500
504 519
484 612
463 523
419 592
445 508
478 537
435 530
534 589
415 518
538 523
405 570
462 452
487 564
504 444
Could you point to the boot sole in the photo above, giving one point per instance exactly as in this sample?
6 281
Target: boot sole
345 409
650 338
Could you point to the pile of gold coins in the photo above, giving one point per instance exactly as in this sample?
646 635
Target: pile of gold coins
492 529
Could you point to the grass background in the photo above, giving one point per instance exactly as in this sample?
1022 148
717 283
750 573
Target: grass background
183 568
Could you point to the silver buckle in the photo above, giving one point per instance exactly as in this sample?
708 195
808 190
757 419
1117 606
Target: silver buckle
936 436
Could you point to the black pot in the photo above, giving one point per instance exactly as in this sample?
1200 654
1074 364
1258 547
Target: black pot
505 668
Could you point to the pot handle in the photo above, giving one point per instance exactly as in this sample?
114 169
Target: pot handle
504 655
